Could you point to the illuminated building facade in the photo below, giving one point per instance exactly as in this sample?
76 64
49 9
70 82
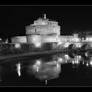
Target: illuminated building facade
45 31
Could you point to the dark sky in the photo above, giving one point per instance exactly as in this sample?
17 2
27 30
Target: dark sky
13 19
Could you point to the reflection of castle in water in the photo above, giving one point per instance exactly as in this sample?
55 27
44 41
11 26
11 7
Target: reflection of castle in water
45 35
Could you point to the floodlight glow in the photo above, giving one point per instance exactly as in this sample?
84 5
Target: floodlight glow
17 45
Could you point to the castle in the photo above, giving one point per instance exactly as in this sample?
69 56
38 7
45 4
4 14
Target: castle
44 31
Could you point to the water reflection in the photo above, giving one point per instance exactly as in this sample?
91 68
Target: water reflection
46 70
60 67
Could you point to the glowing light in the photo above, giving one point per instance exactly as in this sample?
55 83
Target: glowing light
19 69
79 57
73 62
91 63
58 67
66 44
78 45
67 57
86 54
89 39
76 61
87 64
60 60
76 39
37 65
44 16
17 45
37 45
59 42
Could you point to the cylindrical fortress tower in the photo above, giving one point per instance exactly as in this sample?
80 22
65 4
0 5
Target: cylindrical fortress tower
42 31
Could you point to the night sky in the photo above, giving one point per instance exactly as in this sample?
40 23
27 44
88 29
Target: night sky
13 19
